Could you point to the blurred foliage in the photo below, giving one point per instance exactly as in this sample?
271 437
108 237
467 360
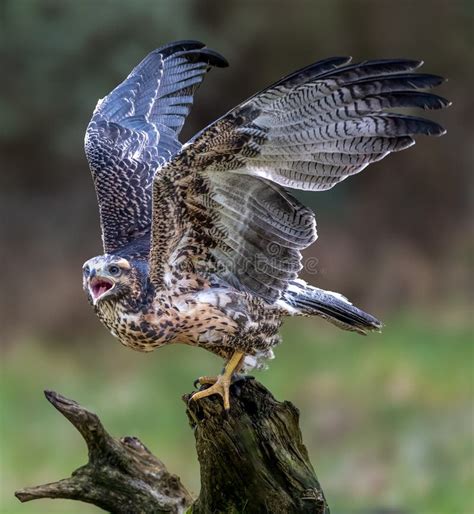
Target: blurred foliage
402 224
387 419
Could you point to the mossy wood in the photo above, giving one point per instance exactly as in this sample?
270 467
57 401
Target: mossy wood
252 460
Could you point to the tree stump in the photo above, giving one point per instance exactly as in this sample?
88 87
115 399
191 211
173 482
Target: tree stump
252 459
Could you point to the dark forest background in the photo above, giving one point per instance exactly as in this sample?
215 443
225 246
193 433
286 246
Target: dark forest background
387 419
394 237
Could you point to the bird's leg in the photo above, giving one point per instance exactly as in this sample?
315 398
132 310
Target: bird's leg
222 382
209 380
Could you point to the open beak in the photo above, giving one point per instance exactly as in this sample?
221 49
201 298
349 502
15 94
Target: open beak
99 287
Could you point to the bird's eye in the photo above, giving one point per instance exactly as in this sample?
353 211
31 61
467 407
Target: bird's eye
86 270
114 270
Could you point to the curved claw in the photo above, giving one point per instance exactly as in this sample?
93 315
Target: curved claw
220 387
220 384
204 381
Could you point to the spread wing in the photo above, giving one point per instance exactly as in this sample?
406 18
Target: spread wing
225 189
134 130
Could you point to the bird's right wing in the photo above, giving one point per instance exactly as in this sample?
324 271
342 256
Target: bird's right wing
309 131
134 130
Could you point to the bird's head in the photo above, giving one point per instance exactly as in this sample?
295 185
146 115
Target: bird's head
109 277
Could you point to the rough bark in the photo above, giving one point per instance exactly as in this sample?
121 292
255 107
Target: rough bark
252 460
121 476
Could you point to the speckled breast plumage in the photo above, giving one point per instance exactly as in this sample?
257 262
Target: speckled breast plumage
220 320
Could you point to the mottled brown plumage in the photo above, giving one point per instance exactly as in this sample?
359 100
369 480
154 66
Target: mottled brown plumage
203 242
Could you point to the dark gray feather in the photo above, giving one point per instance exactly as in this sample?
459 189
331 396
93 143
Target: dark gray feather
134 131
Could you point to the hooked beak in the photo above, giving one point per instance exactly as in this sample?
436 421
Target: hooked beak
99 287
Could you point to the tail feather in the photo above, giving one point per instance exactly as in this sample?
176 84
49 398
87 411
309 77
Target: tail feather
306 300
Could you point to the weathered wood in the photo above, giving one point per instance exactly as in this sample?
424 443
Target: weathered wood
252 460
121 476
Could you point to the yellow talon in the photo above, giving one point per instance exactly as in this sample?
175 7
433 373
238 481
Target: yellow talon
220 387
221 383
207 380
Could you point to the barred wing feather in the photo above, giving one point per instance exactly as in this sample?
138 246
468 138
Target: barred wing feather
308 131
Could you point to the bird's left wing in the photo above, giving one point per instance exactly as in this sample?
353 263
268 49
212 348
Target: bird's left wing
224 192
134 130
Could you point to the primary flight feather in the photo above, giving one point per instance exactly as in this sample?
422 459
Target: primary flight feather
203 241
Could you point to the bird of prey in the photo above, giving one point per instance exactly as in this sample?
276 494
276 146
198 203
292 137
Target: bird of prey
202 240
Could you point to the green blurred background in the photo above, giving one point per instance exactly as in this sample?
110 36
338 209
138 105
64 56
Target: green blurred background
387 419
